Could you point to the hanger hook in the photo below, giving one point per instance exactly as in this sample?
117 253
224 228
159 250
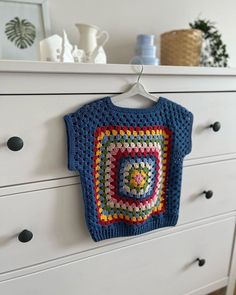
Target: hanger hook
140 74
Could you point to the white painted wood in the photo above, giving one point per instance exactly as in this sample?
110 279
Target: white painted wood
218 177
108 83
56 218
74 78
32 186
211 159
37 190
152 269
209 288
38 120
40 185
207 109
113 244
53 67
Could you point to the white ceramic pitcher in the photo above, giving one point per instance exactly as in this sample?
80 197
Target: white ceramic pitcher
92 40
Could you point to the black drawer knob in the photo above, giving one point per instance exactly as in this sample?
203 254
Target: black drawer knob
15 143
25 236
201 262
208 194
215 126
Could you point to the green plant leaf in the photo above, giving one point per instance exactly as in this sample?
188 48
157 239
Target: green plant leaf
21 32
217 49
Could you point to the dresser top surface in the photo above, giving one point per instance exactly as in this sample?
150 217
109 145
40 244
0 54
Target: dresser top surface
52 67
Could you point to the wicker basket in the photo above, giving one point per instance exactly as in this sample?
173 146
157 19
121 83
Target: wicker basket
181 47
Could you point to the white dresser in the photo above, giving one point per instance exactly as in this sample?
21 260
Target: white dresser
45 247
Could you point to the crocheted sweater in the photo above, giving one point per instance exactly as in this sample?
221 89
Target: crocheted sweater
130 163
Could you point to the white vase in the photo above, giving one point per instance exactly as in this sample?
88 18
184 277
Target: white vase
92 40
78 55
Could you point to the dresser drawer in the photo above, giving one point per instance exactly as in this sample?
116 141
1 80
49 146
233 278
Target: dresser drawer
207 190
38 120
142 268
207 109
56 219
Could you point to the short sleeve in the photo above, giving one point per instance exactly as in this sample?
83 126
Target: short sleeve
187 133
74 141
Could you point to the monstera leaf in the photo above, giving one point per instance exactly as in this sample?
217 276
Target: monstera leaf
21 32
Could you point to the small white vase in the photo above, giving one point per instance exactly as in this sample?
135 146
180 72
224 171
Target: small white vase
78 55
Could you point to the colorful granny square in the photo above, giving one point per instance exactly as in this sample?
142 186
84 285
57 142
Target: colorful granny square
130 172
137 177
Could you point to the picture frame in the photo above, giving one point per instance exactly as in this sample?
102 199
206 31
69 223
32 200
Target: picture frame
23 24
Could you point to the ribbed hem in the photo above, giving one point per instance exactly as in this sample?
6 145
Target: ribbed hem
124 230
70 142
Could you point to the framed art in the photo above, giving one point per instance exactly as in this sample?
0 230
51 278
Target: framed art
23 24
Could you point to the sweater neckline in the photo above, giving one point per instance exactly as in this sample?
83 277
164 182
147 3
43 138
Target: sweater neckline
156 106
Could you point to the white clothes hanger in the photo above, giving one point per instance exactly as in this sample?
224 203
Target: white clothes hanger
136 89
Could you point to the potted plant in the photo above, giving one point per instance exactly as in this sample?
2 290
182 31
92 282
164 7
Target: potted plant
214 53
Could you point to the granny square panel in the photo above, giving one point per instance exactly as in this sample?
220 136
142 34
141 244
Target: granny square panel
130 164
130 167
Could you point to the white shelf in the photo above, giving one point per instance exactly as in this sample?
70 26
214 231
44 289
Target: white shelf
116 69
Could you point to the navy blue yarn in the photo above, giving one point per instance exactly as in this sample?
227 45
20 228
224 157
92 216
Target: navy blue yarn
80 127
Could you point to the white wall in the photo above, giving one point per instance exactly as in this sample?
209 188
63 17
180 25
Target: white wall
124 19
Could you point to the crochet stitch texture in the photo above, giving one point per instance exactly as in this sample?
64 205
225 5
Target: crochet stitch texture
130 163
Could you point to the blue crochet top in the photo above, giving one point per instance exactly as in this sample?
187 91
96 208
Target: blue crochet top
130 163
